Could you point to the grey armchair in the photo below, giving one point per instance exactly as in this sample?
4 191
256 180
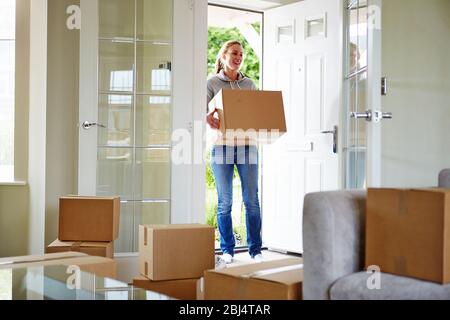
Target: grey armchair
333 257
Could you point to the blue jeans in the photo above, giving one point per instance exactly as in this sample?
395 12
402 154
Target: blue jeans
223 160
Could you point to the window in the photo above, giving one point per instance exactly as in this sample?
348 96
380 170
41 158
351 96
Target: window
7 87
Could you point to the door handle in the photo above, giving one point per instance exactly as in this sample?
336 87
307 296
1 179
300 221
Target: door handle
369 115
335 137
87 125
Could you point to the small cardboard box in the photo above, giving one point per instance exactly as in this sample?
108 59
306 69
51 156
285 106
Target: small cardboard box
183 289
89 218
250 113
170 252
102 267
271 280
408 232
101 249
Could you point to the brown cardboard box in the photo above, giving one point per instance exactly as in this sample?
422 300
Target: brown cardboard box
261 111
408 232
183 289
89 218
271 280
103 267
101 249
170 252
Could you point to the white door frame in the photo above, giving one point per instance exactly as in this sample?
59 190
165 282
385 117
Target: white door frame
374 74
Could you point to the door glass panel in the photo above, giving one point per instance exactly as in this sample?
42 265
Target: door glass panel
154 21
315 27
116 18
355 95
152 174
135 90
115 112
153 120
115 172
116 61
285 34
153 68
125 241
150 212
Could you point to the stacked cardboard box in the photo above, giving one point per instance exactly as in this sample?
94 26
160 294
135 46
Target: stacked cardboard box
173 257
87 224
408 232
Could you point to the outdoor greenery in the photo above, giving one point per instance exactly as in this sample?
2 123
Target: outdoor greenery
218 36
250 67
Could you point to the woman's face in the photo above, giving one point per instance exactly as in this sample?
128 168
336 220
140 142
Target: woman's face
232 58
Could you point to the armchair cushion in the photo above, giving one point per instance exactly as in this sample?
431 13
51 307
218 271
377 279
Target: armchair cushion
392 287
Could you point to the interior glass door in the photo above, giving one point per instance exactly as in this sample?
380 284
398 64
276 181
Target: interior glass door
355 93
134 112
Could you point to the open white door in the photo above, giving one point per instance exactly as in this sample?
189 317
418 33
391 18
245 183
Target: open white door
302 57
135 90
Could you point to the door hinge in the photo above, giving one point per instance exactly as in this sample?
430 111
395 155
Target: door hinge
191 4
384 86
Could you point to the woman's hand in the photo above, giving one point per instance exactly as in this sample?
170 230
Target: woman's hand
213 122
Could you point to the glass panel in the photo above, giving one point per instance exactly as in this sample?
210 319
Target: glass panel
116 18
154 20
7 97
125 241
153 68
152 174
114 172
354 52
315 28
153 120
116 61
150 213
116 113
285 34
362 34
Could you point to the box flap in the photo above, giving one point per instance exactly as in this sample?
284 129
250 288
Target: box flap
286 271
68 244
87 197
177 226
94 244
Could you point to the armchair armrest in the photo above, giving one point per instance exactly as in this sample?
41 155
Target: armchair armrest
444 178
333 239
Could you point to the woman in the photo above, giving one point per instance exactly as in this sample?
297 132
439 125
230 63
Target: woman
226 154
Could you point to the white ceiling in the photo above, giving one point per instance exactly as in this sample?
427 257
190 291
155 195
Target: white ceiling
257 5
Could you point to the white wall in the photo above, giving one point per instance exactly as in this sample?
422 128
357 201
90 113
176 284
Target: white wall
62 112
416 46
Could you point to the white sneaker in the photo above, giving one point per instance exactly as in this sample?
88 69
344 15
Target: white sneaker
228 258
258 258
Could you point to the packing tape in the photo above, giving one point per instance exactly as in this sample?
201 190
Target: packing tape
272 271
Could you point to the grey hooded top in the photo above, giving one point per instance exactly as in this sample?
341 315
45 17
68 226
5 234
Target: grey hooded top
220 81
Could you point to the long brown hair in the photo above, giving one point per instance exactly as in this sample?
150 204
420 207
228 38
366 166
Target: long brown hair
225 47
